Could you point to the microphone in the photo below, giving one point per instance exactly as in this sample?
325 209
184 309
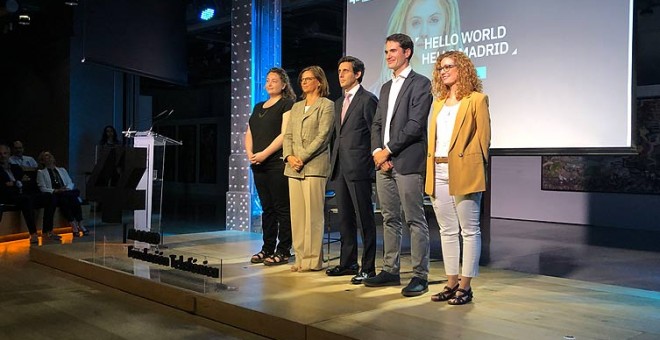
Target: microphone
162 113
129 133
159 118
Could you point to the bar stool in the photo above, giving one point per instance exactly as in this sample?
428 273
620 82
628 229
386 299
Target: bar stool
329 239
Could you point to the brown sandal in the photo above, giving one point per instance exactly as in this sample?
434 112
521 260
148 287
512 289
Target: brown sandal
446 294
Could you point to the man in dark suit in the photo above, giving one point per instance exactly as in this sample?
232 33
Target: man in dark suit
398 141
15 189
353 171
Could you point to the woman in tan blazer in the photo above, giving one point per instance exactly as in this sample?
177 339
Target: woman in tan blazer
305 151
459 138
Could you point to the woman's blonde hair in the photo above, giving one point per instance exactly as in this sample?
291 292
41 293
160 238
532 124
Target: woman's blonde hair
40 159
467 76
397 24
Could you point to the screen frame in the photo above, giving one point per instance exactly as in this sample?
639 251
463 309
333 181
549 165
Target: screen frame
570 151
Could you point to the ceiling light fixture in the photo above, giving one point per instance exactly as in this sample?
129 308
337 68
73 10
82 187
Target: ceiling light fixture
207 14
206 9
24 19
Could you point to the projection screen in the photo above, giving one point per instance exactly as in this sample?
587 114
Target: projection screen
145 37
558 73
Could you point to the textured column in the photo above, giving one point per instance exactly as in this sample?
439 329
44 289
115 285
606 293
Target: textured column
256 40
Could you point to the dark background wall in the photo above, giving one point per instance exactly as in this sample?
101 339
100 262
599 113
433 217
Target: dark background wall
34 82
54 102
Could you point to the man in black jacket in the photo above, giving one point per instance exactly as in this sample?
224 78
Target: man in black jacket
353 171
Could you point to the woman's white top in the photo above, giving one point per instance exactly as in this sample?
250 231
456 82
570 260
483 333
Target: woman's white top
444 128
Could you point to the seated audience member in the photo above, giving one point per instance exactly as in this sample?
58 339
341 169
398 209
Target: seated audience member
18 158
56 180
14 191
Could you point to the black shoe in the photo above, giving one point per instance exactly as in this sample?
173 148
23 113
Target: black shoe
357 279
416 287
382 279
341 271
52 236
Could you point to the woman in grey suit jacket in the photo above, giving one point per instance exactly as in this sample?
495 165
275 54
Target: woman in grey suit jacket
305 151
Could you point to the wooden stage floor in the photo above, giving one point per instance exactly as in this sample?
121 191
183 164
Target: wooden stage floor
276 303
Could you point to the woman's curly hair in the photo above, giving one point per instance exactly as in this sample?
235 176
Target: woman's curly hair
467 76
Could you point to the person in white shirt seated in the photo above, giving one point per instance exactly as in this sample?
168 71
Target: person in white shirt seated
18 158
56 180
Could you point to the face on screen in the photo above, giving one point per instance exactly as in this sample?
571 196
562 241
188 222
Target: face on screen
395 56
425 19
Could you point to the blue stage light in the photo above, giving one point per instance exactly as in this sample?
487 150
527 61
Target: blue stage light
207 13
